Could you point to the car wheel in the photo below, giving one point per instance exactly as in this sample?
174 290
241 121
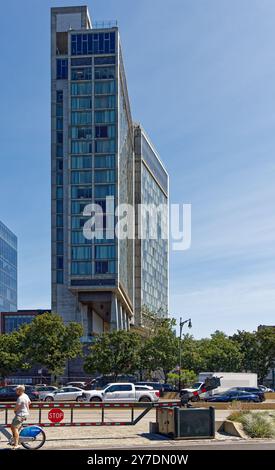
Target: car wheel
95 400
145 400
195 398
48 399
79 399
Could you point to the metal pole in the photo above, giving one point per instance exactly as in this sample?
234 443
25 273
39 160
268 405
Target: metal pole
180 354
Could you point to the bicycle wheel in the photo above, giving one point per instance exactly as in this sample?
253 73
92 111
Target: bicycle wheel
36 443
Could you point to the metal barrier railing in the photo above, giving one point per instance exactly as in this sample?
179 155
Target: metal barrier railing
71 407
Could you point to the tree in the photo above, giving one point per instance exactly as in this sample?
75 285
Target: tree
115 352
11 353
161 350
258 350
221 353
49 342
192 357
187 378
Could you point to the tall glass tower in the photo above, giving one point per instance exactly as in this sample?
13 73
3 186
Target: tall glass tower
8 270
93 158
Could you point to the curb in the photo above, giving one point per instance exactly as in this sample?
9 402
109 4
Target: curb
234 429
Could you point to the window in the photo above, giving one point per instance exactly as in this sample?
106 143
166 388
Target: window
82 132
105 251
78 222
104 190
81 88
59 110
59 178
104 131
104 116
93 43
81 268
59 137
80 162
81 103
59 206
78 238
59 277
59 151
78 207
61 69
104 267
59 220
79 177
81 61
59 235
81 73
79 192
59 193
59 96
81 252
59 124
105 176
109 60
59 262
59 248
80 146
105 88
105 73
105 101
105 146
81 118
105 161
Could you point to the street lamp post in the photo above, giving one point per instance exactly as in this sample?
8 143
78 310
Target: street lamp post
181 326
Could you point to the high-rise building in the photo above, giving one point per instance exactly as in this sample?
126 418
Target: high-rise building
151 249
8 269
93 158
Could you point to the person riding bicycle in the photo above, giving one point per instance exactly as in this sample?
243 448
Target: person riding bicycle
21 412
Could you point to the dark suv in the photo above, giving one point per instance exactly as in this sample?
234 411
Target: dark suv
8 393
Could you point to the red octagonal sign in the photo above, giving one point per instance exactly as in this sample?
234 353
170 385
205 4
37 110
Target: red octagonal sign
55 415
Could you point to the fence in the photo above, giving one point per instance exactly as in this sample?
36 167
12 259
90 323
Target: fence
71 407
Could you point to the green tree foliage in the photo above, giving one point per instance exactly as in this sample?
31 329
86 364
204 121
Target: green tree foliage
258 350
161 350
187 378
11 354
116 352
49 342
220 353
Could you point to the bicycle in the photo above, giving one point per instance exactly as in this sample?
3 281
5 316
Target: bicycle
30 437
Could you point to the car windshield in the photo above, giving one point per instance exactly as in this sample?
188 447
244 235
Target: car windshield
196 385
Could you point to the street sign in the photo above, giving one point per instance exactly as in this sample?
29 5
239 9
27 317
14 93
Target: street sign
55 415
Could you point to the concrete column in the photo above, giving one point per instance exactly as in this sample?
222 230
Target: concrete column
124 319
114 314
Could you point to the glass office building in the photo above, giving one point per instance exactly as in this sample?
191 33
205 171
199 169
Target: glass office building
8 269
151 247
93 158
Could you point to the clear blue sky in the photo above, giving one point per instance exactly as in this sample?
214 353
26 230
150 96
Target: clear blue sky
201 78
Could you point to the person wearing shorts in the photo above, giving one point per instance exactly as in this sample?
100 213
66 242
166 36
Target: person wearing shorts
21 412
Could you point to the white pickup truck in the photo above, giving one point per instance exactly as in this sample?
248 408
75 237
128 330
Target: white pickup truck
122 392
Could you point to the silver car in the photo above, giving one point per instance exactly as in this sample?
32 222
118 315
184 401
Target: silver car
65 394
44 390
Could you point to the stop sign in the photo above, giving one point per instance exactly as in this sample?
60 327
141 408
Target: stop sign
55 415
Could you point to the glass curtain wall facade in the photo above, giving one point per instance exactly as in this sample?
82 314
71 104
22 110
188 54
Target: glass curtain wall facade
8 270
92 158
152 259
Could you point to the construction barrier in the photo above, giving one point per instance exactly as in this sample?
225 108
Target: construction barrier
55 413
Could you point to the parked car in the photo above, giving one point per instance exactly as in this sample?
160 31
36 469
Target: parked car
265 389
81 385
234 395
123 392
65 394
8 393
44 390
194 388
104 380
255 390
156 385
